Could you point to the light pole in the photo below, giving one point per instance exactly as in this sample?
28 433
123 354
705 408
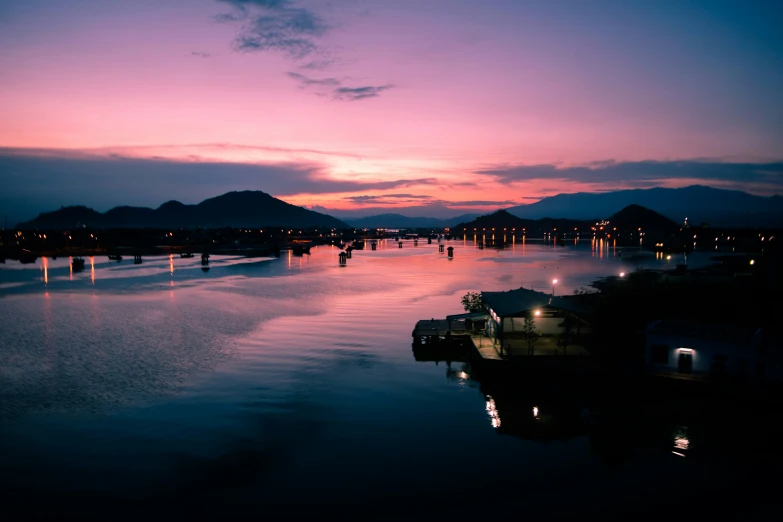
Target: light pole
554 282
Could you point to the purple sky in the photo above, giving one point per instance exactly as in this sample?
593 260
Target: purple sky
472 104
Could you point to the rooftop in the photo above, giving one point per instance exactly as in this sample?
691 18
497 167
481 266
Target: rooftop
513 302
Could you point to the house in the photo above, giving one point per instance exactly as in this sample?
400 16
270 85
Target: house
552 318
690 348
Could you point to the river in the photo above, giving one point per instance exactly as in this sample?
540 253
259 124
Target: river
274 389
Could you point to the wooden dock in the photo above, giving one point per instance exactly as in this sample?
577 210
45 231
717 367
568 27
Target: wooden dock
452 328
485 350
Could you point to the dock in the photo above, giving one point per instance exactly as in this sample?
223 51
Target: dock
486 351
463 337
452 328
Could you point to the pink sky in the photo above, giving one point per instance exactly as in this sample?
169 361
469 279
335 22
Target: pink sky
463 88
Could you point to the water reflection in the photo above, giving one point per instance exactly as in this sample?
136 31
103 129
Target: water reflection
681 441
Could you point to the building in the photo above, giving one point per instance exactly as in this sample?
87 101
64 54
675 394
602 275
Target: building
553 318
701 349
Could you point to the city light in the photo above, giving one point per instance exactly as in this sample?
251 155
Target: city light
622 274
538 312
752 261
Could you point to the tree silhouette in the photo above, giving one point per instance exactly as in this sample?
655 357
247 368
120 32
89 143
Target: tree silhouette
472 302
529 333
567 335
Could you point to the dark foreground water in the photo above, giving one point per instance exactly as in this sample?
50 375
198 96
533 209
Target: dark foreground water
287 389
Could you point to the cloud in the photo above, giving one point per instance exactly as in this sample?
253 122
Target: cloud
359 93
296 31
479 203
387 198
335 88
645 173
275 25
33 183
318 65
200 54
305 81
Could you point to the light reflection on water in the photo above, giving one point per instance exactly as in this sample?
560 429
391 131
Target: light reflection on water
278 383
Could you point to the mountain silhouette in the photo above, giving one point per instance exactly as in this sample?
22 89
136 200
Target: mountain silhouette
503 219
698 203
400 221
233 209
636 216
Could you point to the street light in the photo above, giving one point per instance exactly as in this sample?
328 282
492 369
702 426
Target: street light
554 282
622 274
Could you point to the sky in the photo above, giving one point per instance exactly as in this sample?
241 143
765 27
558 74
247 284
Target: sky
365 105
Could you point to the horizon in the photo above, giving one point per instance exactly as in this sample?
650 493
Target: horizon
358 107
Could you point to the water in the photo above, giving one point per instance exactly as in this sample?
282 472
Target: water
287 389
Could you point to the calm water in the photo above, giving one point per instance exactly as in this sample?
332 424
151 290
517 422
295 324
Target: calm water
287 389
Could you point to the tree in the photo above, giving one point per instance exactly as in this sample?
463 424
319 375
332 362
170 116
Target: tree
567 335
529 333
472 302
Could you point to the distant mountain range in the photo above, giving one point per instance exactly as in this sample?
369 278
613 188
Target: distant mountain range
233 209
400 221
698 203
629 218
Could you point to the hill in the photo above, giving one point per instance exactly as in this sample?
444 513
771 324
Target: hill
233 209
698 203
505 220
636 216
400 221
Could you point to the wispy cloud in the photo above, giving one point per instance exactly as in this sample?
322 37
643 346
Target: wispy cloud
387 198
644 173
200 54
35 181
275 25
360 93
335 88
305 81
295 30
318 65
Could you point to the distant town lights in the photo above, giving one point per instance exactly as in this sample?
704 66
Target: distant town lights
622 274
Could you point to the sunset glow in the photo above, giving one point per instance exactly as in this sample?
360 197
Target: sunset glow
383 104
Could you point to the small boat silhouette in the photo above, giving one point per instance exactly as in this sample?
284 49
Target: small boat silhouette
26 257
77 264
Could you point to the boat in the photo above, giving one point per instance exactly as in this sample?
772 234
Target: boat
299 250
185 255
26 257
77 264
115 257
